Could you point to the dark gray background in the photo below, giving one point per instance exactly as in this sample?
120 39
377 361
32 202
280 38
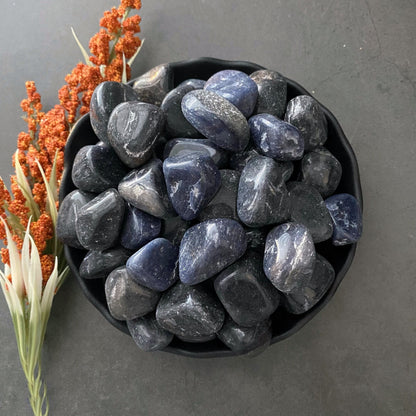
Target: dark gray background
358 356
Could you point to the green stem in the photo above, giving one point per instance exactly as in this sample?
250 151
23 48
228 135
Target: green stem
117 37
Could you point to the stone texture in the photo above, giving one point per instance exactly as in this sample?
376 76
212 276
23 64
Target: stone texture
289 257
154 265
308 208
125 298
99 221
197 84
192 180
242 340
138 228
152 86
276 138
104 99
217 119
322 170
306 114
148 334
98 264
245 292
236 87
256 238
174 228
133 129
198 339
347 218
209 247
272 92
97 168
145 189
262 195
189 311
68 217
307 297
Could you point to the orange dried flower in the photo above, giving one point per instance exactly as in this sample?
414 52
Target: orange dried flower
47 263
128 44
42 230
5 257
100 47
132 24
110 20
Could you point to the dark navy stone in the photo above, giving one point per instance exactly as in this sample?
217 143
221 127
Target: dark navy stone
152 86
217 119
197 84
322 170
105 98
224 203
99 221
189 311
276 138
173 229
242 340
209 247
176 124
148 334
289 257
125 298
307 297
98 264
97 168
145 189
154 265
68 217
138 228
179 146
272 92
192 180
198 339
306 114
236 87
262 195
245 292
347 218
159 147
308 208
256 238
133 129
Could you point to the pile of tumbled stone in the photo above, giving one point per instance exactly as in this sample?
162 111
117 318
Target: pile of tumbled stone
201 206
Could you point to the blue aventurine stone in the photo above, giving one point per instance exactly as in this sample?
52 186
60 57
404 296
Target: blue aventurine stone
236 87
346 215
154 265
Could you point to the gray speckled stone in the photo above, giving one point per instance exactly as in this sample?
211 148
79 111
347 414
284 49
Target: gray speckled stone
224 203
152 86
125 298
322 170
189 311
192 180
99 221
145 189
217 119
97 168
272 92
262 195
148 334
198 339
236 87
306 114
242 340
104 99
245 292
209 247
98 264
68 217
133 129
289 257
308 296
173 229
308 208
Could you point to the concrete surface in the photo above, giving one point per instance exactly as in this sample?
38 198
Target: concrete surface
358 356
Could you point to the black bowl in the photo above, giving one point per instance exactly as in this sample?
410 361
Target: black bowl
284 324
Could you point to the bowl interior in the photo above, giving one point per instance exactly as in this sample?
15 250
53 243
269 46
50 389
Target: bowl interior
284 324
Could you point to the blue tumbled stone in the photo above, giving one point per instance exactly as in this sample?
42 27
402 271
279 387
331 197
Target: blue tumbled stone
216 119
191 180
196 83
138 228
346 215
275 138
236 87
209 247
154 265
